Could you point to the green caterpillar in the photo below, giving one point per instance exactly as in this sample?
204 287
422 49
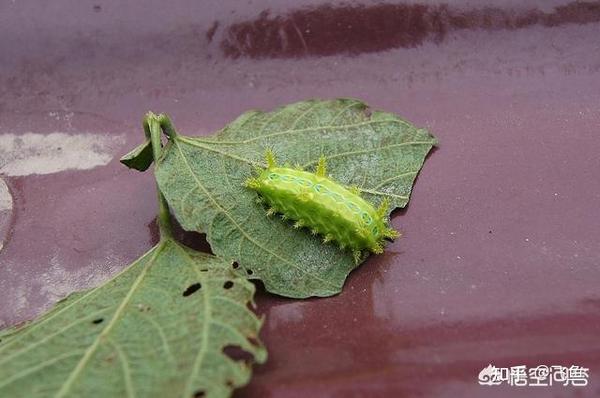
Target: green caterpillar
326 207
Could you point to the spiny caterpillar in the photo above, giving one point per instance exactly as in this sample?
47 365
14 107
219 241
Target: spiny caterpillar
326 207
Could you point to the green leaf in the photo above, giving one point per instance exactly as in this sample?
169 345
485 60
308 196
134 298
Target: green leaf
158 329
139 158
202 179
142 156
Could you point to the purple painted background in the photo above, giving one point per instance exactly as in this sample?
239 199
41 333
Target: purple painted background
500 260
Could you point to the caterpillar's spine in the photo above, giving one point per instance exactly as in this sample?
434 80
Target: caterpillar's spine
321 167
315 201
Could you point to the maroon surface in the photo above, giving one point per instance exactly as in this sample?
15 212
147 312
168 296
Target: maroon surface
500 262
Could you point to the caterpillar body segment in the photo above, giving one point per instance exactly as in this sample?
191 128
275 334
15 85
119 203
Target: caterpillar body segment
328 208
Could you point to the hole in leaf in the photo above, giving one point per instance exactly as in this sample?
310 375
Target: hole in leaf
191 239
249 272
236 353
97 321
229 383
235 265
192 289
199 394
228 285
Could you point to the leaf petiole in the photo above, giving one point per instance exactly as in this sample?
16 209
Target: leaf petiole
153 124
167 125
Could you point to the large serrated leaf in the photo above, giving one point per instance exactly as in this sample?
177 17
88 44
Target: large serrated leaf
202 179
158 329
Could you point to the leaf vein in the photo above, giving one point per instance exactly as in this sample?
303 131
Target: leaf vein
397 176
363 151
41 366
303 114
124 367
258 137
343 110
50 336
163 337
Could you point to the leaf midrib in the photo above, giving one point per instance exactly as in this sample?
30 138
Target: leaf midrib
199 143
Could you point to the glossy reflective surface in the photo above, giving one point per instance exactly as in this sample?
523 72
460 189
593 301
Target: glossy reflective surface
500 262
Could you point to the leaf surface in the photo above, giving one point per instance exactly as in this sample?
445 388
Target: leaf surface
202 179
139 158
158 329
